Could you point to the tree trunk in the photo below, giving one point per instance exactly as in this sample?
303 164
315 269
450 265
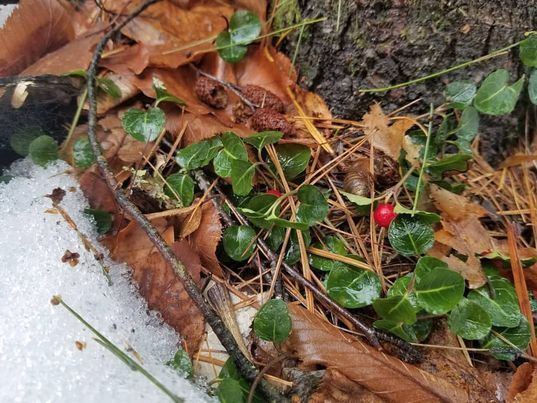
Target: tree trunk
381 42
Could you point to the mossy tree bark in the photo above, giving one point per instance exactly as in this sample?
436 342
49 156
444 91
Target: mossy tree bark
383 42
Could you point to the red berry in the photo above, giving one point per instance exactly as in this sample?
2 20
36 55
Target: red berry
384 214
274 192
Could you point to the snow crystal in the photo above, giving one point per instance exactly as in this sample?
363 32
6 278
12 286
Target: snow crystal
39 361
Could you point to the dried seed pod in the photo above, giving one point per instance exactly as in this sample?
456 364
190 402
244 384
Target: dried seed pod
242 112
358 179
211 92
268 119
263 98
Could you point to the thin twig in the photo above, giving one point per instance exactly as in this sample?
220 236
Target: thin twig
226 338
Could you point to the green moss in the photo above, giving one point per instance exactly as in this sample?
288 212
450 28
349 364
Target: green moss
287 13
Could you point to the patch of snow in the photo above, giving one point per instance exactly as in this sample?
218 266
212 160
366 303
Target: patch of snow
39 361
5 12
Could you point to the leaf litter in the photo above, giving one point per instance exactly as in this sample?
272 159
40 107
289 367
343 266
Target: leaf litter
174 42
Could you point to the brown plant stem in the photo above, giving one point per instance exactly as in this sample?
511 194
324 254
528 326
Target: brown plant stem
226 338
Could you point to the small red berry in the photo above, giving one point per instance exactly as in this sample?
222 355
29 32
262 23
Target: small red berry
274 192
384 214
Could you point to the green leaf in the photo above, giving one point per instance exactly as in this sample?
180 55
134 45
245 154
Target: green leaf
358 200
442 134
453 162
292 254
273 322
229 51
410 236
162 95
532 87
422 328
222 164
242 176
440 290
353 288
181 362
83 156
43 150
276 237
293 158
396 308
334 245
21 140
518 336
239 242
144 126
102 219
468 124
109 87
230 371
528 51
198 155
460 93
469 320
427 264
256 208
503 308
400 288
182 186
230 391
425 216
495 96
313 205
244 27
234 146
261 139
399 329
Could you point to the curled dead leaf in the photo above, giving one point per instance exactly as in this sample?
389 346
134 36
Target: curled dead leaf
206 238
523 386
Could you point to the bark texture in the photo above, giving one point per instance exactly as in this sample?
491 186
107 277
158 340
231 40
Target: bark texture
383 42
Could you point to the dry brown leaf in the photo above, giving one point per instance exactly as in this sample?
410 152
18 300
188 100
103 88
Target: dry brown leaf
206 238
522 383
471 270
383 136
157 282
317 343
518 159
130 59
35 28
125 83
456 207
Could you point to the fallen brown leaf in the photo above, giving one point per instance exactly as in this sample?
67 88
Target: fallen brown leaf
523 385
206 238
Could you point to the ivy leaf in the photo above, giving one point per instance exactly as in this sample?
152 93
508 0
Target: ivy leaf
532 87
528 51
460 93
293 158
453 162
495 96
198 155
503 308
102 219
353 288
273 322
242 176
261 139
180 186
468 124
427 264
162 95
469 320
440 291
256 208
239 242
144 126
244 27
313 205
518 336
410 236
181 362
234 149
43 150
396 308
83 156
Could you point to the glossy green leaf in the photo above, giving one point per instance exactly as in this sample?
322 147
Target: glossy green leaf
293 158
468 124
102 219
109 87
222 164
313 205
230 371
43 150
399 329
180 186
239 242
229 51
396 308
83 156
410 236
532 87
273 322
143 125
427 264
261 139
276 237
292 254
358 200
422 328
495 96
518 336
230 391
182 363
244 27
256 208
353 288
460 93
445 130
334 245
440 290
198 155
400 288
242 177
162 94
528 51
503 308
469 320
451 162
425 216
21 140
234 146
